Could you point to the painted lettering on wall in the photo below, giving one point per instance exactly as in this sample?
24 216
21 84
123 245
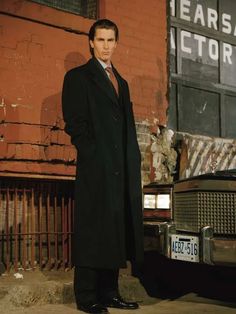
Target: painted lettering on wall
201 14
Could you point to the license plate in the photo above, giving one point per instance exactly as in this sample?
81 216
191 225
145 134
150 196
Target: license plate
185 248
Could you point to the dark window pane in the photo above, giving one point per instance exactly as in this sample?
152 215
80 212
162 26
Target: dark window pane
172 109
173 46
199 12
86 8
173 7
230 116
199 112
200 56
228 69
228 12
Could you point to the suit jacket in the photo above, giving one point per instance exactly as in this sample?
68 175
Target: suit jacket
108 226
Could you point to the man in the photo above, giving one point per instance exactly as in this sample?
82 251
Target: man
108 209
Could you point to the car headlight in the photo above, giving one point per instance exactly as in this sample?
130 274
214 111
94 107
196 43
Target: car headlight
163 201
149 201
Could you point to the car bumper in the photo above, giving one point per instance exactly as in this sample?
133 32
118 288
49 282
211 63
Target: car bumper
217 250
213 250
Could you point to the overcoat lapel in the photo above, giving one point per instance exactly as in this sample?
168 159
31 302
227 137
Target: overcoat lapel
98 75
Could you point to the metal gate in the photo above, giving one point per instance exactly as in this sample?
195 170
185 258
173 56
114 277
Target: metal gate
36 223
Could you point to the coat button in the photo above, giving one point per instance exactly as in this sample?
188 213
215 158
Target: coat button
116 173
115 118
116 146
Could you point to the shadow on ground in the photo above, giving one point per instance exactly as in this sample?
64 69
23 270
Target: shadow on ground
164 278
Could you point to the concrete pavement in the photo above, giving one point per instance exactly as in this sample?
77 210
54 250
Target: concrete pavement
51 292
186 305
39 288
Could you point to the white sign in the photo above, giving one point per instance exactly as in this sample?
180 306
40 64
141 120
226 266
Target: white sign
196 13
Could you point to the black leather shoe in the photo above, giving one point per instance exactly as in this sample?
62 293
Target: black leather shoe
119 303
93 308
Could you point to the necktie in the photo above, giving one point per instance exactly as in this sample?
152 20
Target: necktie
112 79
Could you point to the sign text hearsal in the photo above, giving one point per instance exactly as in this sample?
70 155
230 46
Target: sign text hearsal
197 13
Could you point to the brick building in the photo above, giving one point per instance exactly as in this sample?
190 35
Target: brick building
39 44
178 55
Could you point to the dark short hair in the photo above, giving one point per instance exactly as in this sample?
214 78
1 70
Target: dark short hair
103 23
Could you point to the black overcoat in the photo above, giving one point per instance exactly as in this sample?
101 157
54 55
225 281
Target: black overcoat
108 226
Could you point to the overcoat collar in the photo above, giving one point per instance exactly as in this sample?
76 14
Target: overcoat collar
99 76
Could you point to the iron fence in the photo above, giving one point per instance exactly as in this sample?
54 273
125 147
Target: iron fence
36 223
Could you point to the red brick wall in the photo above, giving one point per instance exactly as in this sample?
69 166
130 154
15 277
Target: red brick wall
141 54
34 58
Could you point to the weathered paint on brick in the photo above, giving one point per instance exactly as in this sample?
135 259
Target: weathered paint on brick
32 167
34 58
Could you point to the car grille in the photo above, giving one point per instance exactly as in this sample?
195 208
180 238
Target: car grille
196 209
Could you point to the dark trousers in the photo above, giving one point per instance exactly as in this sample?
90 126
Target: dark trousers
92 285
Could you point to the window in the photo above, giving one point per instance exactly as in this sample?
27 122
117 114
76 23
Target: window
203 67
86 8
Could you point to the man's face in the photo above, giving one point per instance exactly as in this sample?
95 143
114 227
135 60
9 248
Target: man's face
104 44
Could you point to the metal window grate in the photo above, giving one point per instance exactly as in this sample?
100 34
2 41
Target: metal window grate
35 223
86 8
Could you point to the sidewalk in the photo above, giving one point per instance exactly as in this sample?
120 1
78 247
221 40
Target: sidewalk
29 288
51 292
160 307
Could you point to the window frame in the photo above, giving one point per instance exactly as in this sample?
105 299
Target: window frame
70 11
223 90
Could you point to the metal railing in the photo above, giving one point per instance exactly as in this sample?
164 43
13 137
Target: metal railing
36 223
